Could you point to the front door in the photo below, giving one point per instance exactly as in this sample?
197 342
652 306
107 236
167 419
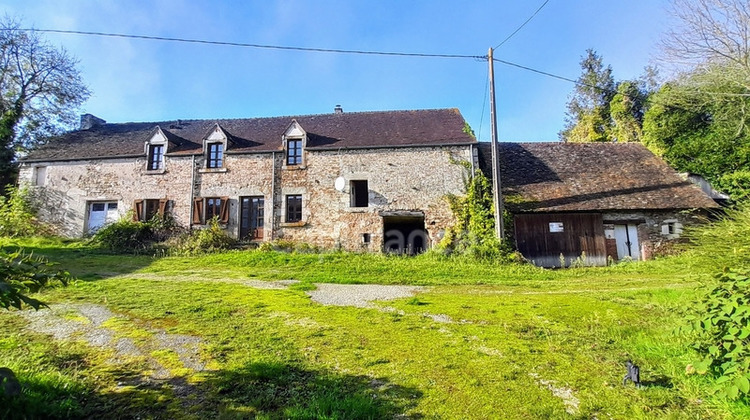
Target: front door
251 218
626 237
100 214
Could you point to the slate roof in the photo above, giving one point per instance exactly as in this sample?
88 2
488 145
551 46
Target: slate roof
348 130
574 177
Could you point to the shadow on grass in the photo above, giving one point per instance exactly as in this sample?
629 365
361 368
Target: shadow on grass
266 390
658 382
83 262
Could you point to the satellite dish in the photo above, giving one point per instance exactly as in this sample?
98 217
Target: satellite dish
340 184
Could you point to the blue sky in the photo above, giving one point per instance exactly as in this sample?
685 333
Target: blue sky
138 80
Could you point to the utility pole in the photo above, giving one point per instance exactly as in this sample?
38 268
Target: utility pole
496 191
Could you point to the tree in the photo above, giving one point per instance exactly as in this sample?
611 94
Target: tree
23 273
699 121
711 32
588 115
40 91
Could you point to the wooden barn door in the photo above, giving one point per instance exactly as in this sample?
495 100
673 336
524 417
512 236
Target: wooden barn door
543 238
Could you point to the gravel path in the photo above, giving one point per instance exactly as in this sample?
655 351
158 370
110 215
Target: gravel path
359 295
87 322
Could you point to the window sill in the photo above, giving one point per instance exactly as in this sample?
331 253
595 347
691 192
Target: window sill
212 170
294 167
357 209
154 172
293 224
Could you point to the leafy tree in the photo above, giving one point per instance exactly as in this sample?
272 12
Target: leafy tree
588 115
23 273
695 134
40 91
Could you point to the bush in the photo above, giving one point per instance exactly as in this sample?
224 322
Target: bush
736 184
18 214
720 324
23 273
722 243
125 236
202 241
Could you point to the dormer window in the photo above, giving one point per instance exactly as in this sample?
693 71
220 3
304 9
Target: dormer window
215 155
294 142
155 157
156 149
294 152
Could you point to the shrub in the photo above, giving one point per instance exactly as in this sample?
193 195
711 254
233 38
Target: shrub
125 235
23 273
736 184
720 324
722 243
202 241
18 214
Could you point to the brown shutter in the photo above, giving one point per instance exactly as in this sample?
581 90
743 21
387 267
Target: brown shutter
197 211
137 210
224 210
162 207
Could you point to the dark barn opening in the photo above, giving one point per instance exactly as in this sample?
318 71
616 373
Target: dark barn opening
404 235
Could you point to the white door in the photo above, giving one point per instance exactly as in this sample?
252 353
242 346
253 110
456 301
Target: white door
626 237
100 214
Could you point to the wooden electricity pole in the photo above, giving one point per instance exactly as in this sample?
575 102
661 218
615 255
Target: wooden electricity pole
496 191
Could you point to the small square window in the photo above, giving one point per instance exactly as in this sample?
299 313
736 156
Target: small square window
366 238
293 208
215 158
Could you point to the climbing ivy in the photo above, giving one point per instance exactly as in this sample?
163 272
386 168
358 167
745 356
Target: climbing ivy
474 231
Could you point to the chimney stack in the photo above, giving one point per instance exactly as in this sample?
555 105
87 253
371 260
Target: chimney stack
89 121
338 110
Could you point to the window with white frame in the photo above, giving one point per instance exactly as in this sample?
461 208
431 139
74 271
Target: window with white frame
155 157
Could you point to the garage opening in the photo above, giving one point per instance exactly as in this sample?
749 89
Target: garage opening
404 235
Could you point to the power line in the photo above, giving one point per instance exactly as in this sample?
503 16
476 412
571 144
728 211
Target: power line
522 25
250 45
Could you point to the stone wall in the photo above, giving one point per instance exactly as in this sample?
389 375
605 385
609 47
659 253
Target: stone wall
656 229
399 179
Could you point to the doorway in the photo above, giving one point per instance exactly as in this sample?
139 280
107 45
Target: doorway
100 214
626 238
404 235
251 218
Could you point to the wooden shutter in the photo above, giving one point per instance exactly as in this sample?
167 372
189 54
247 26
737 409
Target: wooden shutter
137 210
197 211
224 210
162 207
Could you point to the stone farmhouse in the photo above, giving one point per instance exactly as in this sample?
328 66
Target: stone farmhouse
609 201
358 181
363 181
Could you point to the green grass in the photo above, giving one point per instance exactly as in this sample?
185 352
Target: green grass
276 354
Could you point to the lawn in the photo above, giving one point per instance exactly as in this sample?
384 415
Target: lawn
479 341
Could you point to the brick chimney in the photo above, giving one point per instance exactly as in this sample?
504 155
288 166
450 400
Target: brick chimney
89 121
338 110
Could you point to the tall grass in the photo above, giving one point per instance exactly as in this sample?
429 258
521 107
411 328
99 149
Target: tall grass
720 244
